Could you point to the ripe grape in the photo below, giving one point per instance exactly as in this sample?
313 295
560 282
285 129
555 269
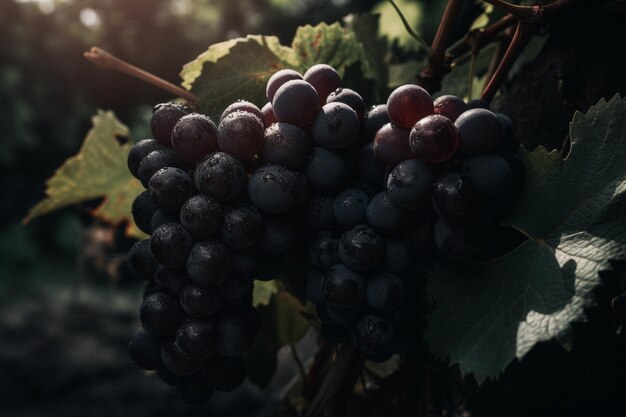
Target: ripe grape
220 175
145 350
164 118
296 102
361 248
479 131
155 161
243 262
453 197
236 331
160 314
449 106
376 118
349 97
242 226
170 188
434 139
286 145
383 215
345 316
350 206
209 263
342 287
324 79
196 338
336 126
326 170
194 136
278 79
242 105
142 210
273 189
140 260
452 241
477 104
408 104
490 174
170 244
372 334
235 287
279 232
201 215
410 184
384 291
170 281
398 257
508 131
176 361
268 115
324 250
199 302
391 145
139 151
161 217
240 134
370 168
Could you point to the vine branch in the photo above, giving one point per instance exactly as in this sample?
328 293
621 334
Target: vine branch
104 59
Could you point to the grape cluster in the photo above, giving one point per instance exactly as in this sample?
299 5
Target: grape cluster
363 191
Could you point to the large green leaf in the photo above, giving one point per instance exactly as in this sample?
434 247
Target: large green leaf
98 171
574 214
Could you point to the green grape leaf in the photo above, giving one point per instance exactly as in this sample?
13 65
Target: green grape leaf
263 291
282 323
573 211
99 170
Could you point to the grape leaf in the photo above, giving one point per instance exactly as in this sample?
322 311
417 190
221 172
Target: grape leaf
282 323
573 211
263 291
98 170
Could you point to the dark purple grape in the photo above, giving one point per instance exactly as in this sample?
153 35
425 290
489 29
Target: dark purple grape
350 206
279 78
224 373
201 215
408 104
155 161
361 248
209 263
370 168
398 257
243 262
150 288
140 260
391 145
410 184
296 102
384 216
342 287
303 192
336 126
193 389
145 350
273 189
453 197
479 131
235 287
236 331
324 79
319 212
139 151
194 136
176 361
372 335
376 118
196 338
160 314
324 251
164 118
370 190
199 302
220 175
242 226
285 145
326 170
240 134
279 232
517 168
345 316
349 97
490 174
170 188
385 291
508 131
477 104
170 281
142 210
161 217
170 244
452 241
434 139
313 288
268 115
242 105
449 106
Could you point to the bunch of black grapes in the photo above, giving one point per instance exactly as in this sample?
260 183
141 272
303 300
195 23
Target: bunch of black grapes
364 192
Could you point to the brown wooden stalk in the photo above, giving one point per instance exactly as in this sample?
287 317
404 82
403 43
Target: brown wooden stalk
105 59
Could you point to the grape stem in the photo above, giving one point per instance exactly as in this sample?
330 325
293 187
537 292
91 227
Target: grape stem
104 59
529 12
332 398
317 370
430 77
461 50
